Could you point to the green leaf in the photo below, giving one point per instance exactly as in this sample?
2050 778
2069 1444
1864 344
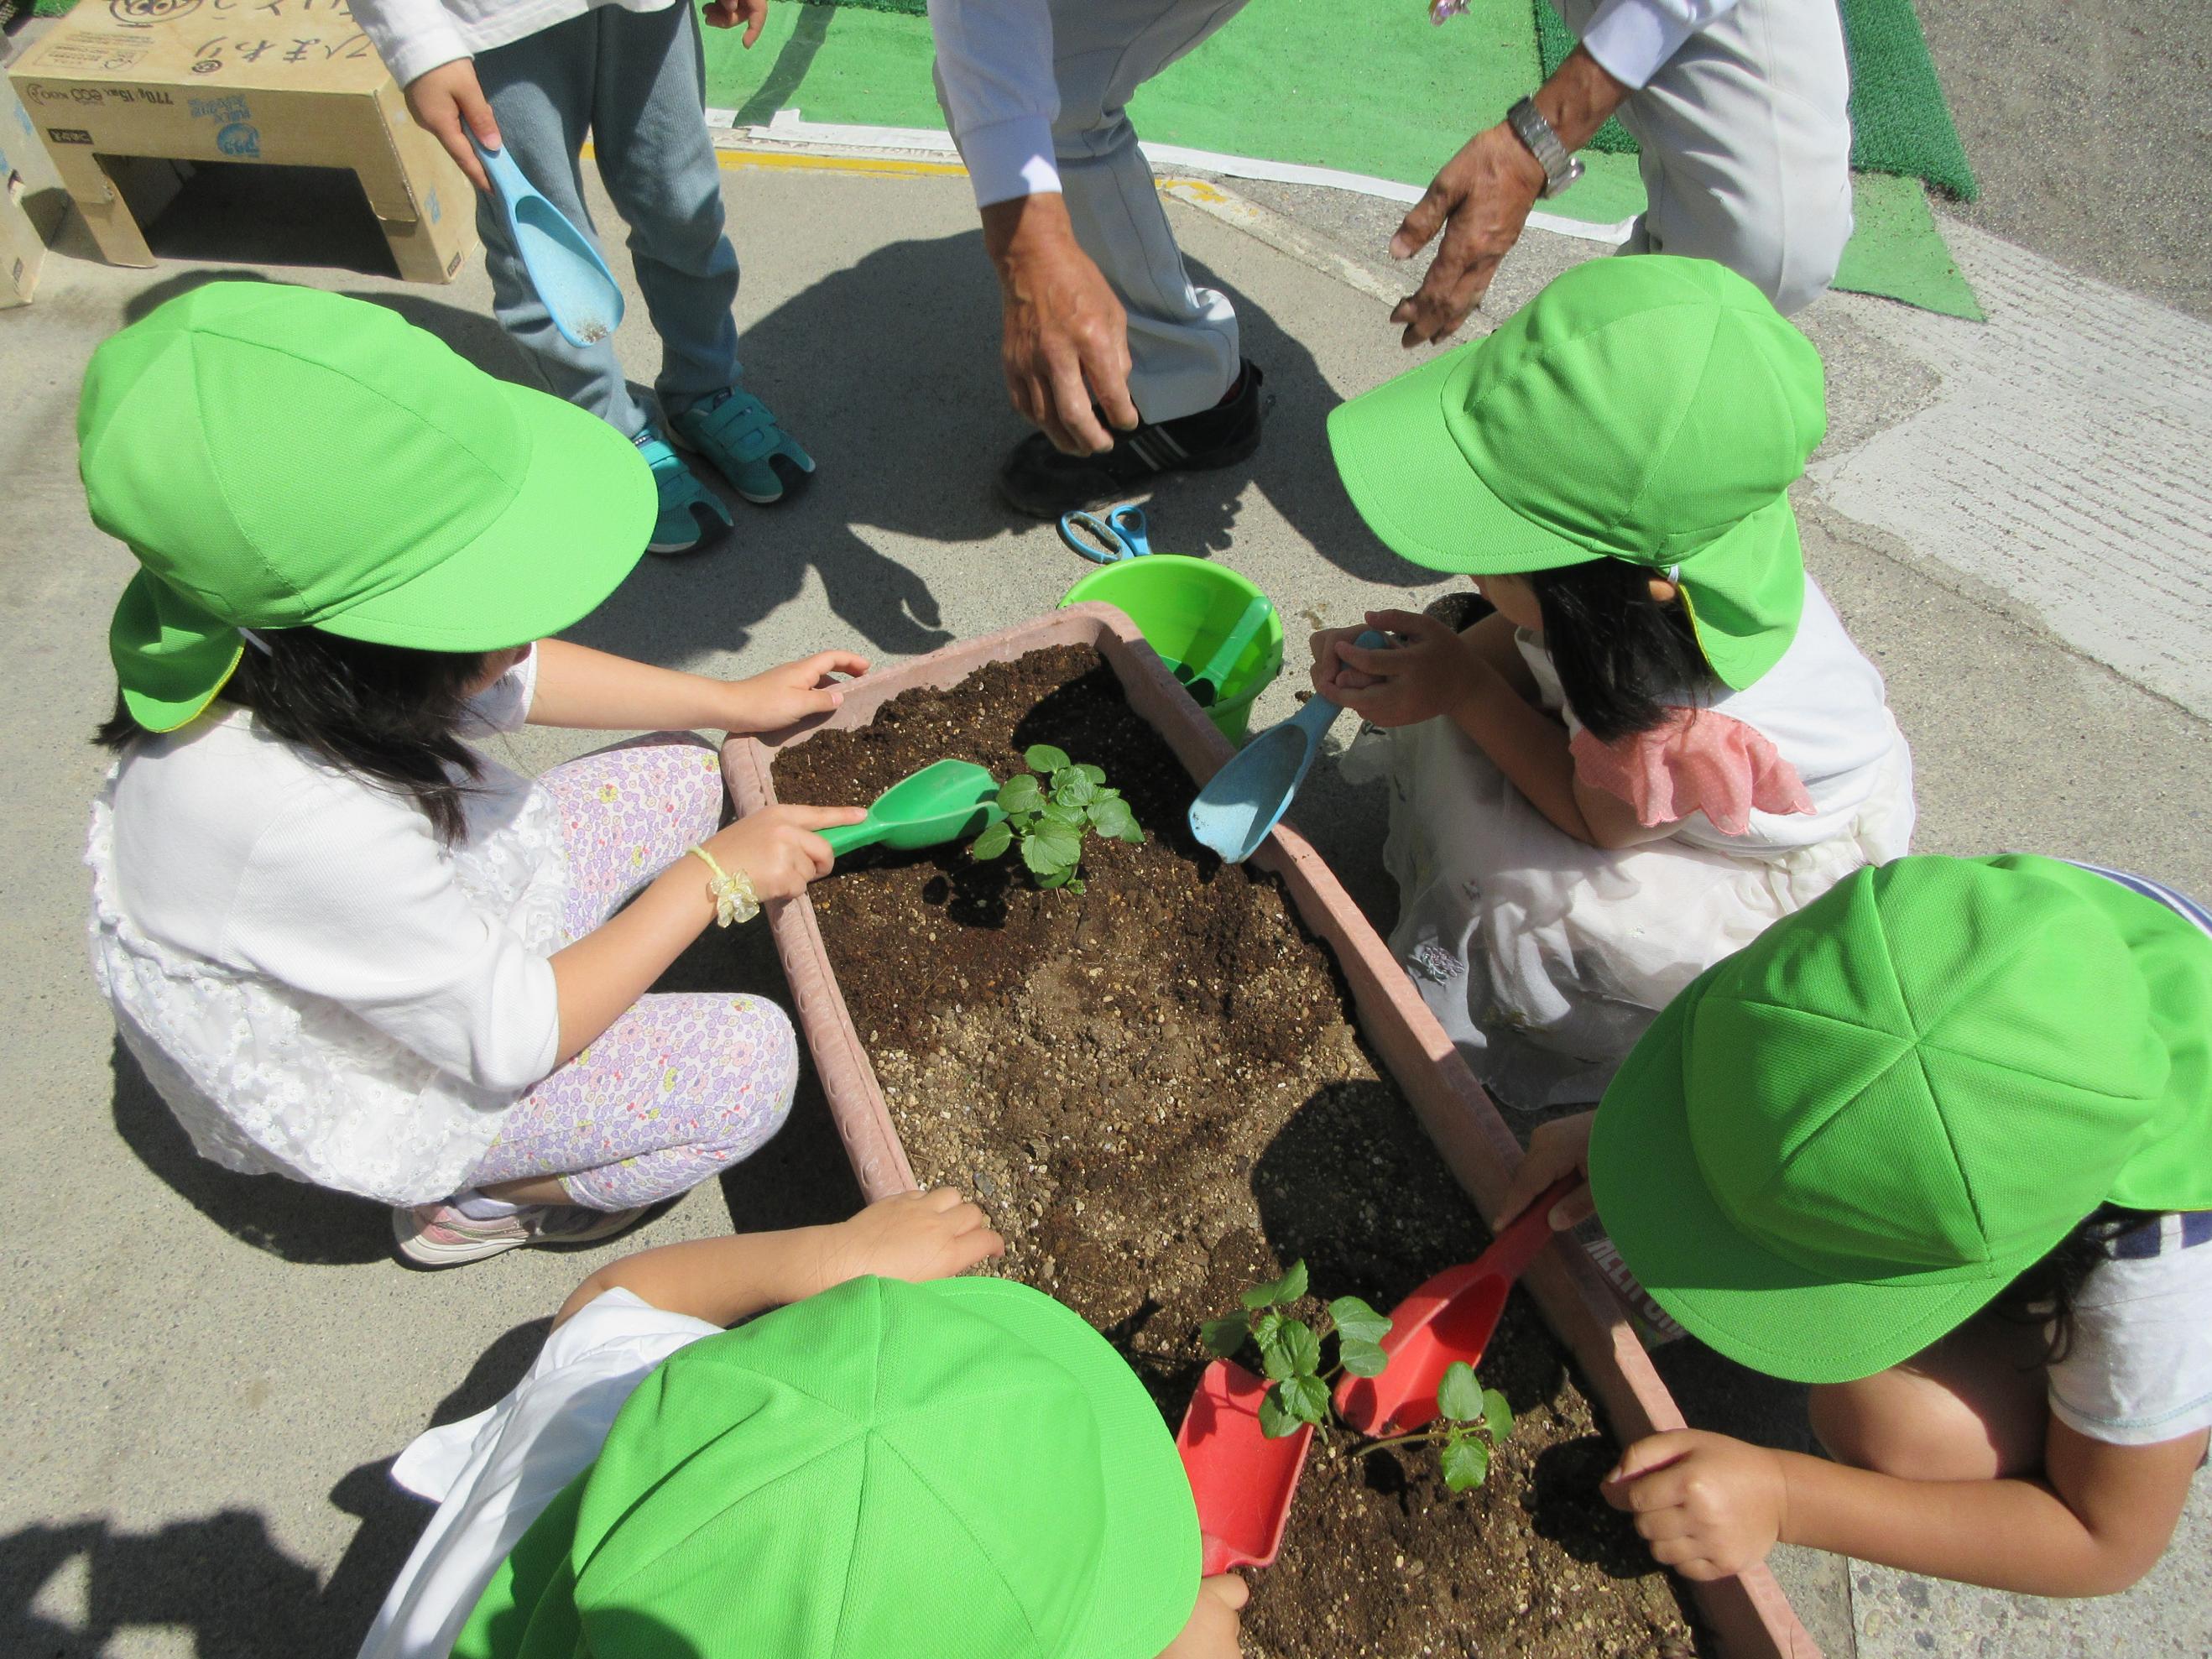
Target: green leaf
1276 1421
1043 757
1132 835
1019 793
991 843
1223 1337
1111 817
1071 788
1054 812
1105 793
1498 1414
1076 884
1289 1288
1467 1463
1096 773
1052 849
1305 1398
1059 878
1358 1323
1361 1358
1265 1324
1459 1396
1301 1347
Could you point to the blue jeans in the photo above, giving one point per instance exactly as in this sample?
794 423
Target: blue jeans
636 82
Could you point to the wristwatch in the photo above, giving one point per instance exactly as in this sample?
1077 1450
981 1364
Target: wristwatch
1530 126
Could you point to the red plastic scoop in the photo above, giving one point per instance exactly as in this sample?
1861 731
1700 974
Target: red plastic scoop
1242 1479
1447 1319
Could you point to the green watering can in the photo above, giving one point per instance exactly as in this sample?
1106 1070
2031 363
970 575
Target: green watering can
947 800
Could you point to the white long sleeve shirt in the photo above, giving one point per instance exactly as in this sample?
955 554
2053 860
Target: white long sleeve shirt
412 36
995 60
316 986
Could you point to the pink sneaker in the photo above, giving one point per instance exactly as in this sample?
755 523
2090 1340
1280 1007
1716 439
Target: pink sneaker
440 1235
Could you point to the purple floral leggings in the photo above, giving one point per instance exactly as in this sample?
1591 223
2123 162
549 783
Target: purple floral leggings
682 1086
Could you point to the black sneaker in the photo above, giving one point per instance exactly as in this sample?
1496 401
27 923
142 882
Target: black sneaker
1040 481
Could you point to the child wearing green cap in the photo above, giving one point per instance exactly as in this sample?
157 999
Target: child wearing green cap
344 944
1659 738
1940 1144
947 1468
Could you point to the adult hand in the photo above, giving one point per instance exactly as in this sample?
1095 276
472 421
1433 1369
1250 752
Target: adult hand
447 102
1211 1631
911 1236
1560 1148
1709 1506
1423 676
728 14
1067 338
1480 200
790 691
779 849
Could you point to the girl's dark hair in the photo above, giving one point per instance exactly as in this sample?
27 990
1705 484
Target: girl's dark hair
385 715
1622 655
2044 1293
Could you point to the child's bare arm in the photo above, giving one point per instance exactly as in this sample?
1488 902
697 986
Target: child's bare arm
911 1236
592 691
2094 1523
1492 640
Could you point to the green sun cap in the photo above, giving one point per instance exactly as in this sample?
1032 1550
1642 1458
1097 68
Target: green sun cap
278 457
933 1470
1841 1142
1648 408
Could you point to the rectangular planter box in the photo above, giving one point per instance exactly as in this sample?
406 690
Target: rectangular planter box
1749 1613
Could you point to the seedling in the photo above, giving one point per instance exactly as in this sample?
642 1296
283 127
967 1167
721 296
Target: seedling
1471 1421
1049 809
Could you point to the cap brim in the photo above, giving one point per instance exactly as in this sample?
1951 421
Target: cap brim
1411 482
1151 1555
1722 1285
578 525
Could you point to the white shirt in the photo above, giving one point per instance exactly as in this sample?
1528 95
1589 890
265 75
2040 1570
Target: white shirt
994 61
316 986
493 1474
2140 1369
415 35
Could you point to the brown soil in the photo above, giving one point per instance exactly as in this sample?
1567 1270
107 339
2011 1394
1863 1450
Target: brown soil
1157 1090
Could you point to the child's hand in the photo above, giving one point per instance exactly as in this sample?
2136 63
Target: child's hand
1709 1506
728 14
1558 1148
778 849
1426 675
447 102
909 1236
790 691
1212 1632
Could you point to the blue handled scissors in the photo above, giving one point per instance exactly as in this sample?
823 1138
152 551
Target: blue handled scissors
1120 535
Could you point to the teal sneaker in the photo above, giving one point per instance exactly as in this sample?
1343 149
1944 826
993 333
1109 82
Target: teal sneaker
692 517
735 431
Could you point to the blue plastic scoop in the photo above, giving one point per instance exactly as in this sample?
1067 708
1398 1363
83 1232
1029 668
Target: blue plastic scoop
579 291
1234 812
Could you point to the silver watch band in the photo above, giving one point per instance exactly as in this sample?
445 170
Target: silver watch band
1530 126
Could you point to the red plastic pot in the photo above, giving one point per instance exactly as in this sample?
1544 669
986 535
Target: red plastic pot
1748 1612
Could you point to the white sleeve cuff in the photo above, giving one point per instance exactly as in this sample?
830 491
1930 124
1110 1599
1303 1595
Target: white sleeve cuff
1010 158
1632 38
416 55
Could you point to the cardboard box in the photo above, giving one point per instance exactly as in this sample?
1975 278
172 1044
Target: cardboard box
31 202
123 90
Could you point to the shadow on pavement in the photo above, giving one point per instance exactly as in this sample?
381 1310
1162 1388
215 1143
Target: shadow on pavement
221 1579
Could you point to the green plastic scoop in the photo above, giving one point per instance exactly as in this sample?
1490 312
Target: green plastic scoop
947 800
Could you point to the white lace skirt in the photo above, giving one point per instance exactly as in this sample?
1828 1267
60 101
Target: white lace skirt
1544 958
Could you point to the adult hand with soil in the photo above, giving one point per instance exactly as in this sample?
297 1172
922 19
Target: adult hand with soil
1211 1631
1066 343
447 102
911 1236
1481 197
729 13
1559 1148
1428 673
790 691
1708 1505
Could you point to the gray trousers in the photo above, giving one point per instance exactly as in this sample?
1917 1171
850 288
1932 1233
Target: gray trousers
1745 161
635 81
